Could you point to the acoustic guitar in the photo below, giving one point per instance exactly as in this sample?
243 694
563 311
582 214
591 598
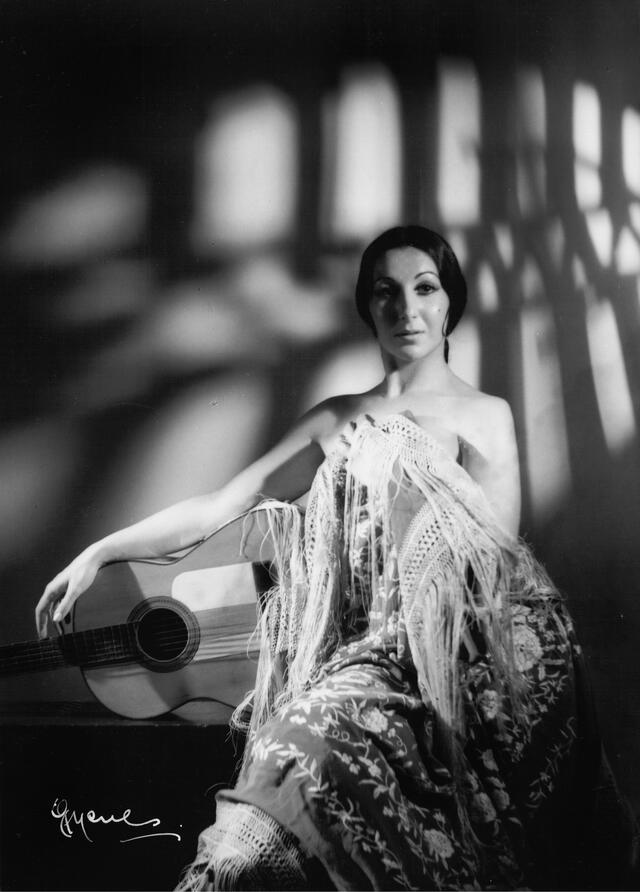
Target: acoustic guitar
150 636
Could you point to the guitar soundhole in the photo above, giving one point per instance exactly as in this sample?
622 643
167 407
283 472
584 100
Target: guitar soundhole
167 634
162 635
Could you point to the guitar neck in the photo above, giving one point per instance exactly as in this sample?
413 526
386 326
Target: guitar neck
89 649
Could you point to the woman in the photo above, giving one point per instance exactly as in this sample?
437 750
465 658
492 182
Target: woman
420 718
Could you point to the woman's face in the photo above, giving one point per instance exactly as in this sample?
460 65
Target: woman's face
408 304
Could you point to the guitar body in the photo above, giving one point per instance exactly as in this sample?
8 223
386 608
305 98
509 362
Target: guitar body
191 624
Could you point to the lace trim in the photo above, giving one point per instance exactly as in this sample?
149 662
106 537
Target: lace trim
245 849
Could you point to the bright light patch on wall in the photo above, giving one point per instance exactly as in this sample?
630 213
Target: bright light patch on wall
634 214
587 145
94 213
352 369
612 387
464 355
631 148
367 154
281 306
457 238
246 171
531 280
586 124
531 115
195 445
547 467
504 243
588 187
531 138
627 253
487 289
601 232
459 144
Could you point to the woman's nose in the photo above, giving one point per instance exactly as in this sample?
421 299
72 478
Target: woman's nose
407 305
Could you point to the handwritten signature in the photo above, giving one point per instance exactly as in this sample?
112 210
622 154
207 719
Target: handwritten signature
71 820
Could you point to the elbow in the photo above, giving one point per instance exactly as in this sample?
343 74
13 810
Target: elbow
220 507
293 477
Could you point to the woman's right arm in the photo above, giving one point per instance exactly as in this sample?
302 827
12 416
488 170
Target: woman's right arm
284 473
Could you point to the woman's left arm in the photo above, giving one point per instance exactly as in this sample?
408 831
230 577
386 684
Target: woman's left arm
496 466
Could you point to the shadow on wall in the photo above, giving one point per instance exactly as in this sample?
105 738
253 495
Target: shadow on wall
183 289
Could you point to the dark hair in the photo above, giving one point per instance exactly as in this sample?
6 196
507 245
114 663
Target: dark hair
424 240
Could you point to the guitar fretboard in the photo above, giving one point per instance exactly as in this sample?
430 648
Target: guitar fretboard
88 649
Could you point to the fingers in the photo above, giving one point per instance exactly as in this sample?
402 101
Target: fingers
64 605
47 603
63 590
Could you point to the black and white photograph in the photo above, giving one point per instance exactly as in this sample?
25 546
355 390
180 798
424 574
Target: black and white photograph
320 447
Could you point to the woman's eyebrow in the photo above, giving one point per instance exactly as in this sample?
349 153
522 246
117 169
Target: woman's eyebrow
427 272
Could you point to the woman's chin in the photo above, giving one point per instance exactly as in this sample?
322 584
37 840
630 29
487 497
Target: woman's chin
412 351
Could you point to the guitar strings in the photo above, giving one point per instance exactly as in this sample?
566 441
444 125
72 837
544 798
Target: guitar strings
105 656
158 632
52 649
90 637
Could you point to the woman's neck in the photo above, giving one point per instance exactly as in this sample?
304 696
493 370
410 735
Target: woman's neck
429 374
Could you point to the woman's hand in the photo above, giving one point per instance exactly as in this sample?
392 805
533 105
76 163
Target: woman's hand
65 588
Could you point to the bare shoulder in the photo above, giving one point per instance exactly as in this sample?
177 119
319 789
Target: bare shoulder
492 410
323 420
498 428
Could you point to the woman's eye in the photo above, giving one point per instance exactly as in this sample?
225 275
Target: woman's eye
425 288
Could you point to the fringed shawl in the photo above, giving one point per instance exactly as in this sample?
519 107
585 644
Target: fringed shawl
399 546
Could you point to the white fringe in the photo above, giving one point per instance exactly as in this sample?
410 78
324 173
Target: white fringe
394 530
